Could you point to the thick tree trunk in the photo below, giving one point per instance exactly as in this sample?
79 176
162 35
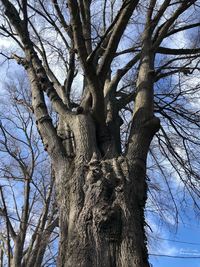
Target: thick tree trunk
102 217
101 205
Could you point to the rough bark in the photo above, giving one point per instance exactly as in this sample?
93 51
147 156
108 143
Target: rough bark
102 216
102 205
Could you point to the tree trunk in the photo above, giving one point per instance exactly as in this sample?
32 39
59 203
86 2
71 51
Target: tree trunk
101 205
102 219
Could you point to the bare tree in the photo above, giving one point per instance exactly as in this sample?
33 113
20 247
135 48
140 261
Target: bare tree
119 53
28 210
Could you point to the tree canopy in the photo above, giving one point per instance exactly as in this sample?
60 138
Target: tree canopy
127 71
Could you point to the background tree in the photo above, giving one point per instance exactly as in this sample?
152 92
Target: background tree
123 53
27 204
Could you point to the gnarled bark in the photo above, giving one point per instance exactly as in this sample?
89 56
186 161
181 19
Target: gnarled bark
102 215
102 203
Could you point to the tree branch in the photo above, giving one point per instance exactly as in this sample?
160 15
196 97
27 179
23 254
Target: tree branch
120 73
78 36
123 17
180 51
186 27
84 7
160 13
9 227
163 29
62 19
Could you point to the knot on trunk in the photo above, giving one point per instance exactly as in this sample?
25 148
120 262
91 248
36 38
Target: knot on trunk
153 125
103 191
143 121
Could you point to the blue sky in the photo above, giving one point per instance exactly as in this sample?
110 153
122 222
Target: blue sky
188 233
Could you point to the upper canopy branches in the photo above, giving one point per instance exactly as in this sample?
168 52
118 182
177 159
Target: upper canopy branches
99 44
79 30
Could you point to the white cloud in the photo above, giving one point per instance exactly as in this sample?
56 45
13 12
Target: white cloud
156 240
6 43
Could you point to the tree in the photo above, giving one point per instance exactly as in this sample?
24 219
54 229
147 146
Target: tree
100 144
27 204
